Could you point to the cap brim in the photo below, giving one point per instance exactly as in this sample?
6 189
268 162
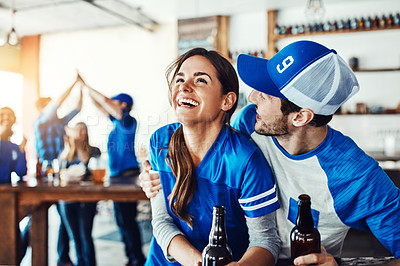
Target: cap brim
254 72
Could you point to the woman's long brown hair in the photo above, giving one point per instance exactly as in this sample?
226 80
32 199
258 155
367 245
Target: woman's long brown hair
72 154
178 156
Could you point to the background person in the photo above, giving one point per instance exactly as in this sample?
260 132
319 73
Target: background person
122 162
49 138
78 216
202 156
13 159
12 155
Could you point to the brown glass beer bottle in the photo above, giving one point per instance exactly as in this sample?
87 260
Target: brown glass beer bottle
304 237
38 169
217 251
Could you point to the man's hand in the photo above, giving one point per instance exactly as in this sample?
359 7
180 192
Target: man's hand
322 258
150 182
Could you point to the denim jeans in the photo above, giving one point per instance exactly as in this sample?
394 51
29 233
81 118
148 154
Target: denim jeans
78 218
63 241
125 215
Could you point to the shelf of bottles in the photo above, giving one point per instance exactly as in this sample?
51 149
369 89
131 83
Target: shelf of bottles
384 22
232 55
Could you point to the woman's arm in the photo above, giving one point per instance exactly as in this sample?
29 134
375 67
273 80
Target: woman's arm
171 240
264 241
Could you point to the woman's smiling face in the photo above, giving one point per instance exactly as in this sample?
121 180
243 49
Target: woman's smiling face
197 93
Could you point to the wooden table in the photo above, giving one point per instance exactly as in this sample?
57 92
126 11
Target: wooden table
20 200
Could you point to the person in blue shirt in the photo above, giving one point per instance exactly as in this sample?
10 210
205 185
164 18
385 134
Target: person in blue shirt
49 139
12 156
122 162
203 162
78 216
294 96
13 159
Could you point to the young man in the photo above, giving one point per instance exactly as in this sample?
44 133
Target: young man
12 156
122 162
295 94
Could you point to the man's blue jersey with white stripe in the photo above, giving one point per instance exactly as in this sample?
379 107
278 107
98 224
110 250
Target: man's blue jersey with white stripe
233 174
347 188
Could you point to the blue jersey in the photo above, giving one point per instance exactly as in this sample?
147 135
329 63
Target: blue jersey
121 144
347 188
12 160
233 174
49 131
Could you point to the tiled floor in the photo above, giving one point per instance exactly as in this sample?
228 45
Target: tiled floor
109 248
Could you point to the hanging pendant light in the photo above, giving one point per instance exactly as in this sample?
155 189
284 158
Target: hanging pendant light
12 36
315 10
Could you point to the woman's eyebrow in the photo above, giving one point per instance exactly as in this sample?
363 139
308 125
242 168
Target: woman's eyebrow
201 74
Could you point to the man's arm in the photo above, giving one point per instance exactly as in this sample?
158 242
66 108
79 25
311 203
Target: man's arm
102 102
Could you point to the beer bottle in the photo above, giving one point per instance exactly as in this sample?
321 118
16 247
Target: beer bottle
217 251
304 237
38 169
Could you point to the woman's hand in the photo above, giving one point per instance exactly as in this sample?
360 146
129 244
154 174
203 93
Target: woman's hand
322 258
23 144
150 182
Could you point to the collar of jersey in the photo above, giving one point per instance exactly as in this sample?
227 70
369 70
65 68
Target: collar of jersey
308 154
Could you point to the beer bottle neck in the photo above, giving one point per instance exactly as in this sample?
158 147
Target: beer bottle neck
305 222
218 234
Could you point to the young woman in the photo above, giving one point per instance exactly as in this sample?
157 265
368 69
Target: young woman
202 162
78 216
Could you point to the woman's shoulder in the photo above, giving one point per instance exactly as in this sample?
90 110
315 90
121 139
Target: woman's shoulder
163 134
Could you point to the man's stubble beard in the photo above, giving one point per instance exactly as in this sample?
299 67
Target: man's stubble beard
278 127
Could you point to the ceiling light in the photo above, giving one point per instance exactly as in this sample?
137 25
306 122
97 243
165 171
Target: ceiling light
12 37
315 10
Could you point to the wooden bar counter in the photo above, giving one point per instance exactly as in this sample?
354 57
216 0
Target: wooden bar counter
18 201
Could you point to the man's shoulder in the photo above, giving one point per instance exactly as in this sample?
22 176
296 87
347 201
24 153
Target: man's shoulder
245 119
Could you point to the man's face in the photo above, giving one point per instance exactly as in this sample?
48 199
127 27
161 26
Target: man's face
270 120
7 119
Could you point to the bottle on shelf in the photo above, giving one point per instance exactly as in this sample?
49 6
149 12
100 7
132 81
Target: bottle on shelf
353 24
375 22
390 20
368 23
383 22
304 237
396 19
217 251
361 23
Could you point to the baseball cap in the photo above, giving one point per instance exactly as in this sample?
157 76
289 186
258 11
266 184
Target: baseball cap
306 73
123 97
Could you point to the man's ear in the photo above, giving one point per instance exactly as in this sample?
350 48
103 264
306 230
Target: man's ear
302 117
229 101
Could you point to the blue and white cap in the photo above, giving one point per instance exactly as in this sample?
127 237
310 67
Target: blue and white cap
306 73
